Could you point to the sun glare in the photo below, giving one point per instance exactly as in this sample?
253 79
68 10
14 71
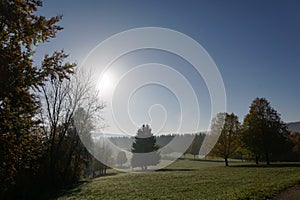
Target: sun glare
105 83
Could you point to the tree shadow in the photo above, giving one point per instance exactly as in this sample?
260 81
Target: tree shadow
274 165
174 170
203 160
75 188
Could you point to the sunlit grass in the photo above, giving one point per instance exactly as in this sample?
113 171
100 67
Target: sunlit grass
188 179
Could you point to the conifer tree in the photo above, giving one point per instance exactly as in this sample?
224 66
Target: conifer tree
144 149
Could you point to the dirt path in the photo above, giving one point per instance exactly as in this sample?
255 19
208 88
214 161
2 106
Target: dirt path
292 193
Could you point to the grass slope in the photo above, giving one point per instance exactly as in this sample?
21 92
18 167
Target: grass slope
188 179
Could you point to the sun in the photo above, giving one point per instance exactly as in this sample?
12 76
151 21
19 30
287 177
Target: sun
105 83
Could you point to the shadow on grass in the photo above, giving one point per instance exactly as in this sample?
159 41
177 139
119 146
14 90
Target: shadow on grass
202 160
75 188
174 170
274 165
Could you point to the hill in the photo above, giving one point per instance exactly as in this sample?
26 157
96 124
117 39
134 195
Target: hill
294 126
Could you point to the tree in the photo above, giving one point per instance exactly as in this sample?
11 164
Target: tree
228 141
21 31
263 131
295 141
68 111
144 149
121 158
103 157
196 145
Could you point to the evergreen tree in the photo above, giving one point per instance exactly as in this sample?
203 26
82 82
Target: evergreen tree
144 149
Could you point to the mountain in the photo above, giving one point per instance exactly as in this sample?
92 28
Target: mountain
294 126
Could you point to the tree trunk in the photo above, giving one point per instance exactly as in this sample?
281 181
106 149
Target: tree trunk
267 158
226 161
256 159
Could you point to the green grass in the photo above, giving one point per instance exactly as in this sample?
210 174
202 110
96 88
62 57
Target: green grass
188 179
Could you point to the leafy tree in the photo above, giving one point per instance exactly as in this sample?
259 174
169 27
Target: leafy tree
121 158
21 31
295 140
228 141
144 149
263 130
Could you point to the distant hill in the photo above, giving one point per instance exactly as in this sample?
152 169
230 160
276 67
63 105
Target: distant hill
294 126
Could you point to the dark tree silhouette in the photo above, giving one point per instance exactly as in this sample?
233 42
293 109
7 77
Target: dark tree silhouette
263 131
144 149
228 141
21 32
68 111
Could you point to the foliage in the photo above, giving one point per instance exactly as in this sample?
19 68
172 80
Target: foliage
295 138
228 141
144 149
295 141
162 141
263 131
21 31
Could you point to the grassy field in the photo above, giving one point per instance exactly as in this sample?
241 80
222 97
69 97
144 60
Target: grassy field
188 179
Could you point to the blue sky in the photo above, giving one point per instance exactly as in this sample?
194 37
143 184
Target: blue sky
255 45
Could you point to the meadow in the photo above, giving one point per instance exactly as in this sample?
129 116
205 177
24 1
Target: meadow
193 179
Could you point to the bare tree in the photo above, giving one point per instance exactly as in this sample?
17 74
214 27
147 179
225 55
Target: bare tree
68 111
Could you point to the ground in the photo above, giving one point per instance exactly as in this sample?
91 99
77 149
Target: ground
292 193
189 179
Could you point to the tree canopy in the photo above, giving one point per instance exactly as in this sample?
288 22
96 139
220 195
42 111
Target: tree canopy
228 141
21 31
264 131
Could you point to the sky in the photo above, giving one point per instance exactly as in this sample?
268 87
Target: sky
254 44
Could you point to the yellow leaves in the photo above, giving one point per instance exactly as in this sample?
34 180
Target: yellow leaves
18 89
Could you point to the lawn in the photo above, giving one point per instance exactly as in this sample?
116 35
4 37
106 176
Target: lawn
188 179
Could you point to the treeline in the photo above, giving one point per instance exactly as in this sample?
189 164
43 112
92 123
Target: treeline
46 111
125 143
149 150
262 136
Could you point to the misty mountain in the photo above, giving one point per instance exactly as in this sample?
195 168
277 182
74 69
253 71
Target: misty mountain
294 126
